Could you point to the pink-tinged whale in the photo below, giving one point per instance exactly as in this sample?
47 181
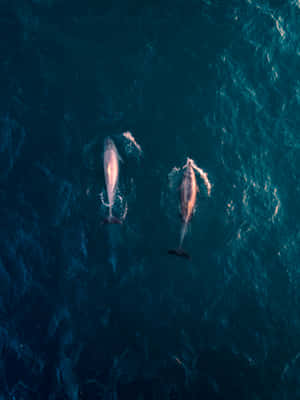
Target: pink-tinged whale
111 173
188 196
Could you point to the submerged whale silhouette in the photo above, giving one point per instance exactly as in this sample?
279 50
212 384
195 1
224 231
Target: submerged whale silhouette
188 197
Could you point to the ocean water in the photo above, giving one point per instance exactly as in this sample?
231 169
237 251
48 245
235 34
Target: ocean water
91 311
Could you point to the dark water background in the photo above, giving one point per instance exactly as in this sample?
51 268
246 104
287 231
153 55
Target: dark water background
214 80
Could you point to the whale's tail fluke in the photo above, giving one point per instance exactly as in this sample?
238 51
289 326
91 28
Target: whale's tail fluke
112 220
179 252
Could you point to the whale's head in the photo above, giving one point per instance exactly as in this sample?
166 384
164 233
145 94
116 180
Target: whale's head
189 162
108 142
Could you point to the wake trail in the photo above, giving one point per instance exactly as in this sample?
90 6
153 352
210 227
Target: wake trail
132 143
202 174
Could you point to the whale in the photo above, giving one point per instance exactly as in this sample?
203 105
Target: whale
188 196
111 173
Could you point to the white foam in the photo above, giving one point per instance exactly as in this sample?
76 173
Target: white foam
132 142
203 175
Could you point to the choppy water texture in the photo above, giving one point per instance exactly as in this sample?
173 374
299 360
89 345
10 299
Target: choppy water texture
217 81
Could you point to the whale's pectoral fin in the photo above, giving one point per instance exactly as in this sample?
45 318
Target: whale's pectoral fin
180 253
180 214
102 200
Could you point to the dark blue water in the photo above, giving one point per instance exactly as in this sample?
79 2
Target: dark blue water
212 80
